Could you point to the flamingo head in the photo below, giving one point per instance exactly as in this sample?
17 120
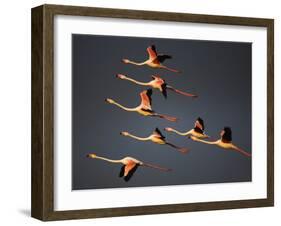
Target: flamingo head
168 129
92 155
120 76
125 61
110 101
124 133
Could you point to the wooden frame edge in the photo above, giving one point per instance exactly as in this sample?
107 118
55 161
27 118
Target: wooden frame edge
270 111
42 113
37 113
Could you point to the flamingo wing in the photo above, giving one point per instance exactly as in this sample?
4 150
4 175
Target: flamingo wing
164 89
199 123
158 133
226 136
146 98
130 169
155 77
162 57
122 171
151 50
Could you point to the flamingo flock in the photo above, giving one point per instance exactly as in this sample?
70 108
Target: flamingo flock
197 133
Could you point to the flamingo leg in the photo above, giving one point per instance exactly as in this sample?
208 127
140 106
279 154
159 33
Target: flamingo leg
169 118
235 148
156 167
182 150
170 69
181 92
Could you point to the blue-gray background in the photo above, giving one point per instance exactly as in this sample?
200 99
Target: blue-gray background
219 72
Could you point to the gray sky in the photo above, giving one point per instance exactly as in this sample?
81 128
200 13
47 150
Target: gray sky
219 72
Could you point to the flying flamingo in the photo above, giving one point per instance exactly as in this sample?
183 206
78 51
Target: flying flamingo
224 142
155 60
145 107
130 165
156 137
197 131
156 83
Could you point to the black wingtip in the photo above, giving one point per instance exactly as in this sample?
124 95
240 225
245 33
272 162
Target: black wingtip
122 170
201 121
227 136
149 92
131 173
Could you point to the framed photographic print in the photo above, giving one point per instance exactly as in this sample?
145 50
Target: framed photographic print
141 112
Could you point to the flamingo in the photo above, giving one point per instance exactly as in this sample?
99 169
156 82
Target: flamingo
156 137
145 107
197 131
224 142
130 165
155 60
156 83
